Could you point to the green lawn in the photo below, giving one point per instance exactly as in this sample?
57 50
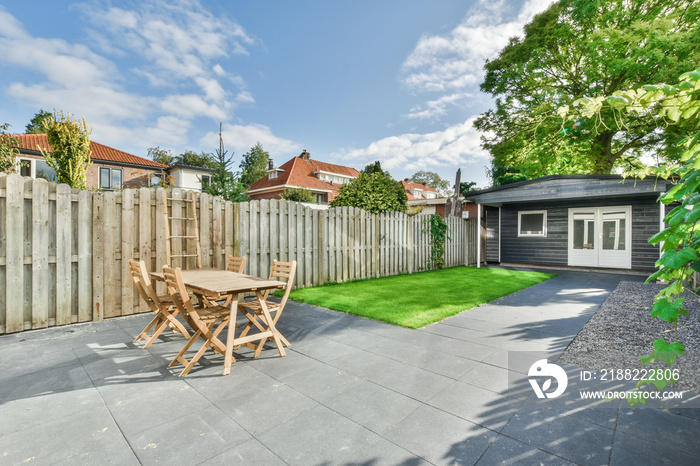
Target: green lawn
421 298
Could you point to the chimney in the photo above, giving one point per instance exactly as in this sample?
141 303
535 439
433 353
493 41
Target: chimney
270 165
304 155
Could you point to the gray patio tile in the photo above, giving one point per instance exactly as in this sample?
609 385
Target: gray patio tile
325 349
501 357
98 441
477 405
468 319
27 357
506 451
411 381
572 439
363 364
321 382
439 437
356 338
140 406
188 439
628 449
243 378
375 407
394 349
247 453
22 413
382 452
45 382
445 364
676 432
496 379
258 408
458 333
316 436
278 367
466 349
106 364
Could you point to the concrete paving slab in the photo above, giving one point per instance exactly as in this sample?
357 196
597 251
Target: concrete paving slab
316 436
355 390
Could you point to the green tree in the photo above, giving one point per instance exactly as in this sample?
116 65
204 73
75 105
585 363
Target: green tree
432 179
678 105
164 156
8 150
36 124
254 165
467 187
70 144
586 47
374 192
375 167
224 183
298 195
194 159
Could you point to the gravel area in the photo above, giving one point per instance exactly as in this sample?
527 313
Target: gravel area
623 329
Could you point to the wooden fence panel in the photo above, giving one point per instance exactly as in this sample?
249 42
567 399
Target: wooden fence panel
64 254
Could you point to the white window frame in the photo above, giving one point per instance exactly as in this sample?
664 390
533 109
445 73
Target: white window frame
201 181
32 165
544 225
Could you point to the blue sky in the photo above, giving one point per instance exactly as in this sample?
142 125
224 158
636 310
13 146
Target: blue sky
350 81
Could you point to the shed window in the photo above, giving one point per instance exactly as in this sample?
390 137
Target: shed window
532 223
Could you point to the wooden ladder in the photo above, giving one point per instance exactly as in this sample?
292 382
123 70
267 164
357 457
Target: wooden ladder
190 215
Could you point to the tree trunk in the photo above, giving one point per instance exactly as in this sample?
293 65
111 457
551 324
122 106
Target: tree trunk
602 154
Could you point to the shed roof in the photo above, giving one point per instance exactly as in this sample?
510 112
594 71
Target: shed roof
564 187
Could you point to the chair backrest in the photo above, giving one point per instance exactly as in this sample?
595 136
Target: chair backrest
143 283
236 264
283 270
178 291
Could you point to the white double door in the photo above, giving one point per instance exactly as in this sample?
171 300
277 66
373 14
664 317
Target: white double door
601 237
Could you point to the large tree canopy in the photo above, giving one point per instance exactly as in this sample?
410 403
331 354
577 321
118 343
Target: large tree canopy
580 48
432 179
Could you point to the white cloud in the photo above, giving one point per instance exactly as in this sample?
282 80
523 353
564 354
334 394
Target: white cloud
177 52
240 138
455 61
457 144
437 108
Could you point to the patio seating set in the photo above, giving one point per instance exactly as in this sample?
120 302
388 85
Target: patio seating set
216 293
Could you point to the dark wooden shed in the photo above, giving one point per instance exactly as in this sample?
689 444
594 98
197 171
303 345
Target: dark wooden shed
597 221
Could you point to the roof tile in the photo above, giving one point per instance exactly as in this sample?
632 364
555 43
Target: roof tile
99 152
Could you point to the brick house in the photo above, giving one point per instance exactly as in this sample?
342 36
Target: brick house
423 198
321 178
111 168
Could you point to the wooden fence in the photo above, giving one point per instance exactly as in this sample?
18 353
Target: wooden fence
64 253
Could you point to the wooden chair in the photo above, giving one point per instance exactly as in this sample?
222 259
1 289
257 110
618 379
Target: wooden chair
162 305
253 311
235 264
202 320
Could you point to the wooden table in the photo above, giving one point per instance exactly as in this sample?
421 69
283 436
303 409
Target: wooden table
212 284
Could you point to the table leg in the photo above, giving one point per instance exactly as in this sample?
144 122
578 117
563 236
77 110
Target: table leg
228 358
270 324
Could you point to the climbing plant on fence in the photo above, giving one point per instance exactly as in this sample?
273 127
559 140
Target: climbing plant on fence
677 104
439 232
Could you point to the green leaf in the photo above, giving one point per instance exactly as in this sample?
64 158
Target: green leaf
668 311
678 259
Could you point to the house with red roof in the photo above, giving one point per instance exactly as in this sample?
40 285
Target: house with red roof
321 178
111 168
424 199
